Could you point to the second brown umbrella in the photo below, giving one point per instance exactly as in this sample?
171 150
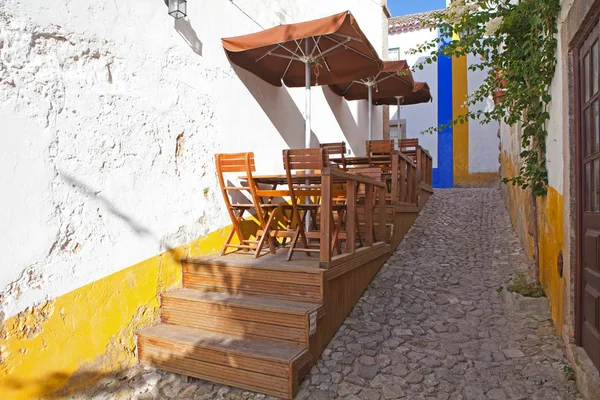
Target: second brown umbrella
420 94
394 79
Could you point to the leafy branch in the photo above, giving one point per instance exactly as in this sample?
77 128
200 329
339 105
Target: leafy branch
516 45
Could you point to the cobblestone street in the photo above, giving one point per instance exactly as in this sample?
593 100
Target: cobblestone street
432 325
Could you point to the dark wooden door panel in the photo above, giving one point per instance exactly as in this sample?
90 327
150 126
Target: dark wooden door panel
589 195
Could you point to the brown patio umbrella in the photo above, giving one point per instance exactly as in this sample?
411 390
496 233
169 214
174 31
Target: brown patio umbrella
420 94
394 79
320 52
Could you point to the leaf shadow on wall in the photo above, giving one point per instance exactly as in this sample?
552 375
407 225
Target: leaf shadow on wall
279 106
185 30
354 132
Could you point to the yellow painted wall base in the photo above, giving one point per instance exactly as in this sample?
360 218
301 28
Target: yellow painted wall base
484 179
78 337
551 242
548 214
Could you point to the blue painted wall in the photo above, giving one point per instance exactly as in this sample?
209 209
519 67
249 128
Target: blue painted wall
443 174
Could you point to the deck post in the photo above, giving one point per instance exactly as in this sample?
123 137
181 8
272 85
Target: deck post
419 165
394 186
368 214
326 214
382 219
351 225
402 179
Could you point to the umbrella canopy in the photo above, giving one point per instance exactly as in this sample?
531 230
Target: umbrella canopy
420 94
334 47
394 79
319 52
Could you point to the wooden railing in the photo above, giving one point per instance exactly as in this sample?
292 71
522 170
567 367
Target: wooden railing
424 166
374 196
404 183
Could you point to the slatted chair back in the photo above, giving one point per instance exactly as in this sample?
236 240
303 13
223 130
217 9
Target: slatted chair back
380 152
409 147
238 163
373 173
337 151
303 160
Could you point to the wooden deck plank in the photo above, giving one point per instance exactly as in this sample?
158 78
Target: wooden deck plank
248 286
224 343
220 374
236 327
274 274
252 302
300 263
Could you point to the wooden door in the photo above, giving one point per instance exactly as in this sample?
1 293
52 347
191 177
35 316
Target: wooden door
589 196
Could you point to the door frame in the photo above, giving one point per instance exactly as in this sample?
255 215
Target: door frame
587 28
578 188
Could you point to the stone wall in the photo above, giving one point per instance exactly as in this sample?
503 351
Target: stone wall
110 113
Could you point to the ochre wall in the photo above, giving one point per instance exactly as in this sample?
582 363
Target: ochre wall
89 332
548 214
460 135
551 242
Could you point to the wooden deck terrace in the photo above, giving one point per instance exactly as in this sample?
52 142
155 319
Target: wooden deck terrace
261 323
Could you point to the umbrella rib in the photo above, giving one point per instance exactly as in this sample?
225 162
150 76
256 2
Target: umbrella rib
348 88
329 50
299 47
271 53
321 52
351 48
286 69
347 36
316 45
400 78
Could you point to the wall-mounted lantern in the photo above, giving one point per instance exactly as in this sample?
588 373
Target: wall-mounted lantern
177 8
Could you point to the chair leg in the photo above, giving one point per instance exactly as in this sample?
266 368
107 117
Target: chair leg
300 234
266 236
336 232
360 241
227 241
234 229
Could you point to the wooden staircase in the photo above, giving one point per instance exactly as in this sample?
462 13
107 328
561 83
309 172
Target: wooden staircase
244 324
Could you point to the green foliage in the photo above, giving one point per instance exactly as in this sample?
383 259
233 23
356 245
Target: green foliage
516 43
567 370
521 286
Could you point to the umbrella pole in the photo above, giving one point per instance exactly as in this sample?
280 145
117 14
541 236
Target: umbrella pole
370 112
398 118
307 127
307 105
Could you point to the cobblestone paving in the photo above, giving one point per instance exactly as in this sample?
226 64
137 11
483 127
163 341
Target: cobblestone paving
432 324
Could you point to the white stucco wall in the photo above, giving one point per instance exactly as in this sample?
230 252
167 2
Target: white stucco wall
110 113
483 139
419 117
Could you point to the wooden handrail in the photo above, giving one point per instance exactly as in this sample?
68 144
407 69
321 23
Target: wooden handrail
373 190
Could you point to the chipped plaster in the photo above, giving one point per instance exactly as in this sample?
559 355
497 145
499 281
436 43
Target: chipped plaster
110 114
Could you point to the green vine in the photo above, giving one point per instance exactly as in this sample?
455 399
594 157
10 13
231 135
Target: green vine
516 43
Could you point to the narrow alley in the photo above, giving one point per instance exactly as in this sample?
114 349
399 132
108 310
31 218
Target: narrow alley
432 324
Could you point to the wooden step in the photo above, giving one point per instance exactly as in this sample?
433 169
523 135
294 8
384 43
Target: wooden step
264 367
285 280
238 315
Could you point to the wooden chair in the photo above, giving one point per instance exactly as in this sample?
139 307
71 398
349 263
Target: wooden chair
336 149
379 153
409 147
302 160
244 163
